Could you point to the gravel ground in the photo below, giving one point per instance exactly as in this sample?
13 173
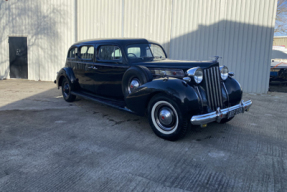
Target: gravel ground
47 144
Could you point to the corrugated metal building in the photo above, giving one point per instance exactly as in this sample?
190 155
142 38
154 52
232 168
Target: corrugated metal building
239 31
49 28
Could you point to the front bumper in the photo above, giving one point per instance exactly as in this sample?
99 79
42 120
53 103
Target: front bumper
219 114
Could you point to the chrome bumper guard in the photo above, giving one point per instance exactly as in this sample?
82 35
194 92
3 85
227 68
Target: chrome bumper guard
219 113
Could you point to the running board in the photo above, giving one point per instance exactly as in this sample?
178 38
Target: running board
112 103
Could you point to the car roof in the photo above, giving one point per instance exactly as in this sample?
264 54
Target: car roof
121 41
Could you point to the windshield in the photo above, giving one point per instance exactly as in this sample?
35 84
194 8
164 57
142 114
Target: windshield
142 51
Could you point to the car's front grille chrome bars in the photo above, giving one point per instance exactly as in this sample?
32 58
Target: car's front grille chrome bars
213 87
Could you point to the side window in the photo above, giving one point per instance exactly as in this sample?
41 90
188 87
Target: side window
87 52
157 51
109 52
134 51
72 53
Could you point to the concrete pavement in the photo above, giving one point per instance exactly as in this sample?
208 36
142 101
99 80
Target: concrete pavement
47 144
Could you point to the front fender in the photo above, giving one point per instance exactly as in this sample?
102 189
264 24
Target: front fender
183 94
234 91
66 72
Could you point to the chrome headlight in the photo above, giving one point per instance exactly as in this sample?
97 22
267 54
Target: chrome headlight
196 73
224 72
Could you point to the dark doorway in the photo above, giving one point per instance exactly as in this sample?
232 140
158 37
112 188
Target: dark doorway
18 57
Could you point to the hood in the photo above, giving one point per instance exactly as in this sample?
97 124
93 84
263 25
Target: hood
177 64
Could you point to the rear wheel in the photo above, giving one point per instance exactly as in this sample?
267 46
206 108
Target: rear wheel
66 91
165 118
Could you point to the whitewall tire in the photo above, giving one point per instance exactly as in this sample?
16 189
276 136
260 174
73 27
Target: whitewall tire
166 119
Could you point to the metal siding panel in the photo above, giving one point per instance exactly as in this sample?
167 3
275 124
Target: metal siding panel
272 8
232 29
48 28
240 31
244 71
99 19
148 19
191 39
4 55
261 63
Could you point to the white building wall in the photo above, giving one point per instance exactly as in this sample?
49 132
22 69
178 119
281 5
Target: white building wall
148 19
49 28
125 18
99 19
239 31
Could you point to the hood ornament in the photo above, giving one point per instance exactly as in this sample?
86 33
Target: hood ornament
216 58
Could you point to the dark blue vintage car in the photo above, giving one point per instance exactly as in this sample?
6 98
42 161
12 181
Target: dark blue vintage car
135 75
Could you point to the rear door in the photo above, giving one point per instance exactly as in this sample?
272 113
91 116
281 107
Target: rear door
89 77
18 57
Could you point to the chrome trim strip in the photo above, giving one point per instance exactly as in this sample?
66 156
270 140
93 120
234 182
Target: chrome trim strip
214 91
207 89
219 87
215 86
209 84
219 114
115 64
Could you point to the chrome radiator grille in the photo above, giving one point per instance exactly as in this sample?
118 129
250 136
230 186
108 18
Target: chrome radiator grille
213 87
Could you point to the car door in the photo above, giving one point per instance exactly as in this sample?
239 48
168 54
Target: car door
85 58
110 71
73 62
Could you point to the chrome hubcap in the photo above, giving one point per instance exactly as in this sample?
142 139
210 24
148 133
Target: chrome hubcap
166 116
135 83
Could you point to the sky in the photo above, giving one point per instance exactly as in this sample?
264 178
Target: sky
279 34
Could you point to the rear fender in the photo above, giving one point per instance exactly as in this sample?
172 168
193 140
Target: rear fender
66 72
183 94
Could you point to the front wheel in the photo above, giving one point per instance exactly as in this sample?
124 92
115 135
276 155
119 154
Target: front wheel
166 119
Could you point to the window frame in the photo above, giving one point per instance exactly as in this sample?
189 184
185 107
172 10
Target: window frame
161 49
79 52
133 53
98 59
126 49
76 53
